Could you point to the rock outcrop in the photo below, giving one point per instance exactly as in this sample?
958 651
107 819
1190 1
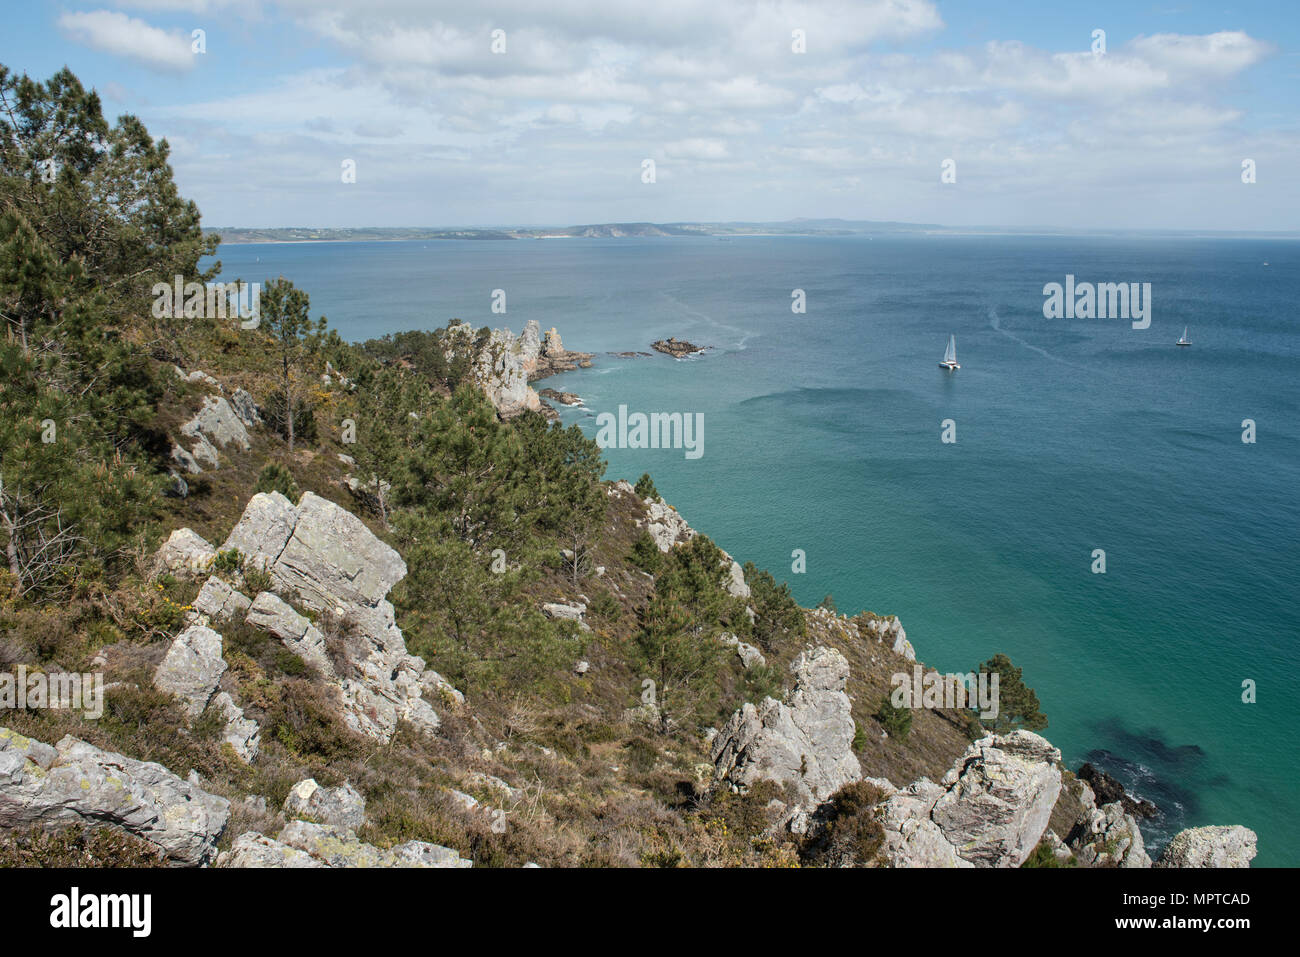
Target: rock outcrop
340 807
805 742
1110 837
504 365
1230 846
890 631
192 668
748 654
77 783
677 348
325 558
184 553
214 426
991 808
305 844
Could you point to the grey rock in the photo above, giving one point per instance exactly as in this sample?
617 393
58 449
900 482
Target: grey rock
253 849
912 838
341 806
217 423
339 847
277 617
1110 838
564 612
77 783
1221 846
999 797
806 742
184 552
748 654
241 733
219 601
186 461
192 667
245 408
327 560
666 527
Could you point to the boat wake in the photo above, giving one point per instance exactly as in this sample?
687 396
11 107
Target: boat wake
996 322
744 335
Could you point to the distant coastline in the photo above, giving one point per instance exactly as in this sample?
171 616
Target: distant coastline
825 228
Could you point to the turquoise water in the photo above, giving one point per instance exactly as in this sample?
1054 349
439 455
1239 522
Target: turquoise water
822 433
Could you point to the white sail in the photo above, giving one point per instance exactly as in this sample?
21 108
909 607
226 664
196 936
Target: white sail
951 354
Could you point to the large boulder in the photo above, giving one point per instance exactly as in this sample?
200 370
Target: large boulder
805 742
219 601
217 422
1227 846
77 783
999 797
326 559
1110 837
341 806
912 838
184 553
192 668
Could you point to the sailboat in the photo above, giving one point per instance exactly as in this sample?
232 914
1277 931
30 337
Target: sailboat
1184 341
950 356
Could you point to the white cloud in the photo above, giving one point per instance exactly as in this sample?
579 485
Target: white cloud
128 37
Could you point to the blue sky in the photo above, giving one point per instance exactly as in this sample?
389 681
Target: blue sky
555 129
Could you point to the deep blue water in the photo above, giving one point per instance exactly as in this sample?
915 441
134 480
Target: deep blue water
822 433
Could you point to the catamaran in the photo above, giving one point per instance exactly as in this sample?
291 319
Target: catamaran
1184 341
950 357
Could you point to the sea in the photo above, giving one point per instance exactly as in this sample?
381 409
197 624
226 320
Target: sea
1074 445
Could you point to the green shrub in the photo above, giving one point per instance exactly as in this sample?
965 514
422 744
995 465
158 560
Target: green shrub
276 478
896 721
645 487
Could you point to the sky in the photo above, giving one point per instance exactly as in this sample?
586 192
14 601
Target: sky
1042 125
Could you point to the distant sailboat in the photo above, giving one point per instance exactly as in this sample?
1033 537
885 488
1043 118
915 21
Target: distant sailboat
950 356
1184 341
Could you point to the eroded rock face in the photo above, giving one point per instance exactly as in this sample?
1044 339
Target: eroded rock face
326 559
890 630
77 783
242 734
1228 846
341 806
666 527
219 601
806 742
